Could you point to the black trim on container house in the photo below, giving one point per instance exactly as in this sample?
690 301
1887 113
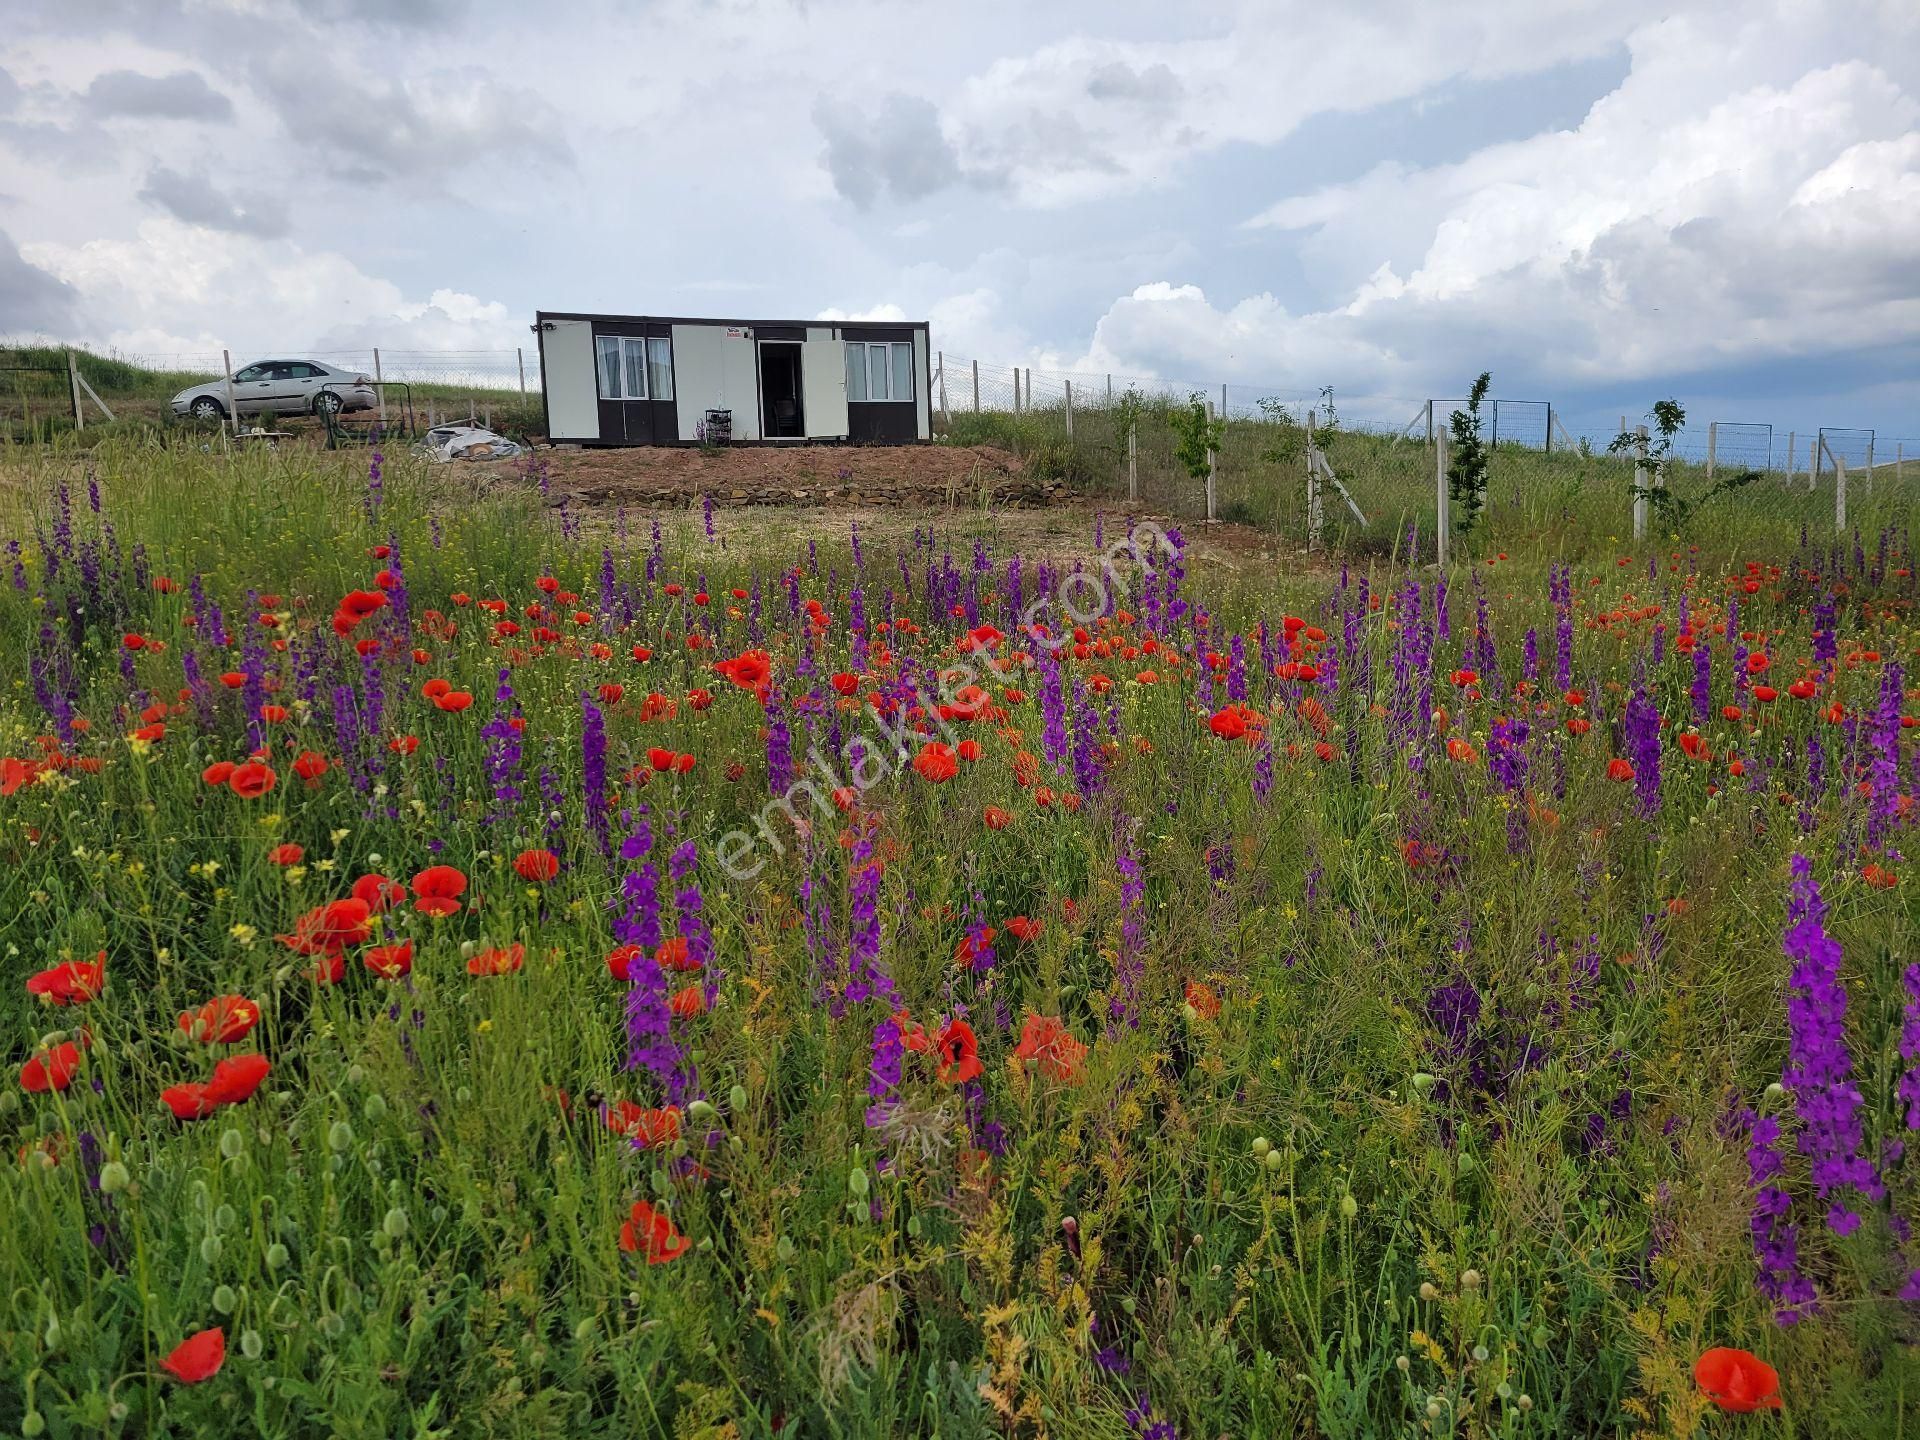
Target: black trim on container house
656 422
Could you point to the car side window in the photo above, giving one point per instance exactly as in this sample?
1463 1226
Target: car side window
299 370
252 372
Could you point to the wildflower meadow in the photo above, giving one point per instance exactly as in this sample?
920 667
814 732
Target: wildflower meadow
476 968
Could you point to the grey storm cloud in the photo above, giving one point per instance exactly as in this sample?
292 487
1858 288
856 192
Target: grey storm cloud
1151 85
198 201
895 153
181 95
372 131
33 302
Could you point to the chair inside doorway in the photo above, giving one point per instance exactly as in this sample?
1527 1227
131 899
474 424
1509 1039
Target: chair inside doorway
782 417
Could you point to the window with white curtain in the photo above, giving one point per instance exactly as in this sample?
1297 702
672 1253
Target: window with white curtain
879 370
660 367
623 367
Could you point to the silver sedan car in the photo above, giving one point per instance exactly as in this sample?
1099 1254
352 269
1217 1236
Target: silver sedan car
281 387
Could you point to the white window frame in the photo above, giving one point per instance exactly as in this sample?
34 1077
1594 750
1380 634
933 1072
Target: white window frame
622 345
888 346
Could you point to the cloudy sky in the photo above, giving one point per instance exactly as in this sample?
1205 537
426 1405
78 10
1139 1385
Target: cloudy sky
1601 202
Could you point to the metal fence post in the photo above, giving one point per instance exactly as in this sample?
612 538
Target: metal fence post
1641 505
1549 446
1429 422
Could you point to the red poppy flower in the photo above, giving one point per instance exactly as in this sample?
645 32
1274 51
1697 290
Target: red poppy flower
660 758
1464 678
236 1078
389 961
620 961
646 1128
51 1069
969 750
671 954
974 948
221 1021
71 982
453 702
687 1003
1618 769
750 670
1738 1380
652 1230
437 890
539 866
288 854
188 1101
310 765
330 928
497 962
1206 1004
981 637
935 763
959 1053
845 683
378 892
15 773
251 780
1765 694
996 818
273 714
1023 929
1050 1045
198 1357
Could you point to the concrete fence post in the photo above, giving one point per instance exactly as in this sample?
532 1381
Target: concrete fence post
976 387
379 388
1133 457
1793 456
1839 494
1212 470
1641 504
233 405
520 359
1443 518
1713 444
1069 410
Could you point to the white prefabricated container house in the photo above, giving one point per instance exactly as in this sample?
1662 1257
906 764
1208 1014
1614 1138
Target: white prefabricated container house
669 380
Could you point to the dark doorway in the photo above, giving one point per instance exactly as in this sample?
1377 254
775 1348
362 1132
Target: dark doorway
781 416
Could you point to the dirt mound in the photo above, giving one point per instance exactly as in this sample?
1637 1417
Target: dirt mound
836 475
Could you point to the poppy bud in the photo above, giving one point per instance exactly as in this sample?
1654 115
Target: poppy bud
375 1106
1434 1408
1525 1402
114 1178
251 1344
1260 1147
857 1181
32 1423
210 1249
232 1143
700 1110
1470 1279
1466 1164
737 1099
1402 1364
224 1299
1349 1207
1423 1082
396 1223
1276 1162
340 1137
1427 1291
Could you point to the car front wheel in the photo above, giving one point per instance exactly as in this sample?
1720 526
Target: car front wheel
207 408
327 403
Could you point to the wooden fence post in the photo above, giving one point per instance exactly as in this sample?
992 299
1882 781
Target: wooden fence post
1429 422
379 388
1444 520
946 417
1549 447
73 386
1899 461
233 406
976 387
520 359
1713 444
1641 505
